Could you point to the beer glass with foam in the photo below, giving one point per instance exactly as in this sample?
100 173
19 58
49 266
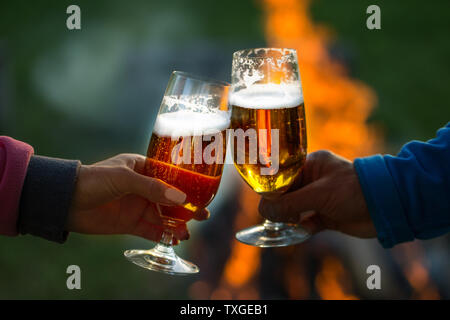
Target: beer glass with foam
269 133
186 150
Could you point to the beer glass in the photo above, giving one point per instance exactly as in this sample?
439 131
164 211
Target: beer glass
269 133
186 150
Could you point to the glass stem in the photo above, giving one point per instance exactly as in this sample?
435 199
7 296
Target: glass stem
273 226
165 244
166 239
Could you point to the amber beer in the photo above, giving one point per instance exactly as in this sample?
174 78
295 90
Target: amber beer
271 107
175 134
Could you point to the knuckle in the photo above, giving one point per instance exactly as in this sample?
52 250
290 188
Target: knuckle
122 177
322 155
272 210
123 155
156 187
123 171
118 157
128 159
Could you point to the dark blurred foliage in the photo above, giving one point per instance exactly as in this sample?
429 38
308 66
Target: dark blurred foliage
73 92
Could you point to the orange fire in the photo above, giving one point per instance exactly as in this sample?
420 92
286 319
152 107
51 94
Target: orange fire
337 106
410 257
244 260
332 281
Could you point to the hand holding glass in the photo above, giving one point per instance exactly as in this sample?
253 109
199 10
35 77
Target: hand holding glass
186 150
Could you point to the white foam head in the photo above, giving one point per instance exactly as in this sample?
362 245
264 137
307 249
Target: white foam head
190 123
268 96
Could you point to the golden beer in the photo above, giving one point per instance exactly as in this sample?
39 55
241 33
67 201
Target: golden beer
267 104
270 109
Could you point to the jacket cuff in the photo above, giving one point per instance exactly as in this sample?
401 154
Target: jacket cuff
46 197
14 158
383 201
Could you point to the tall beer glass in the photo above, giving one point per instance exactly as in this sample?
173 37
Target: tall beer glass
268 114
186 150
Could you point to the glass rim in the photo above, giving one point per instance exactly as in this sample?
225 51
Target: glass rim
196 77
291 51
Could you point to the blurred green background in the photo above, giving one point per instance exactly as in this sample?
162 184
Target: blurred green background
92 93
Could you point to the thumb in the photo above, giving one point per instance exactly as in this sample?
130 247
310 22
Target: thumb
128 181
291 206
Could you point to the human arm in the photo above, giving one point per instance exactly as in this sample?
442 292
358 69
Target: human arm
396 198
49 197
408 195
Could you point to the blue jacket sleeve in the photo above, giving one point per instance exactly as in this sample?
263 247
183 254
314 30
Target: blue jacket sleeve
408 196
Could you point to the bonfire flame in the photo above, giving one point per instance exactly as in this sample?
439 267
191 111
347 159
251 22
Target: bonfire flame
337 106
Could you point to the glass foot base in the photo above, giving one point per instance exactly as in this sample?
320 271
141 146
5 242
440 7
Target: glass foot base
272 235
161 259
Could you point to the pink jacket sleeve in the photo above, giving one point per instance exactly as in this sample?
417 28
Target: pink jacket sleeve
14 158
